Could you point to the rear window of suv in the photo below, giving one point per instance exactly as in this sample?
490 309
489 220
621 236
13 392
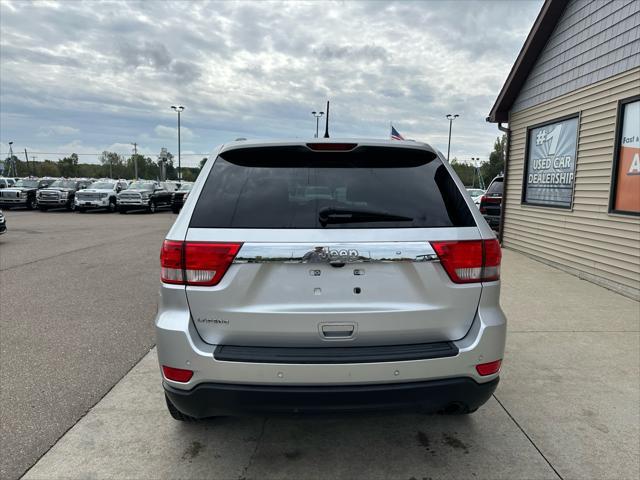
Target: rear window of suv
295 187
496 187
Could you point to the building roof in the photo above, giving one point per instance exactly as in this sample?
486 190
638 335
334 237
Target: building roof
534 44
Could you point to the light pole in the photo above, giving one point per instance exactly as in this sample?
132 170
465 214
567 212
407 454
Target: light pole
11 162
178 108
451 117
162 162
135 159
317 115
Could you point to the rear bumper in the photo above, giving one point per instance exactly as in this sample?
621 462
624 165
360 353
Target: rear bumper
451 394
180 346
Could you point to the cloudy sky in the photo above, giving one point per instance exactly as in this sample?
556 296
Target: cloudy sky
88 76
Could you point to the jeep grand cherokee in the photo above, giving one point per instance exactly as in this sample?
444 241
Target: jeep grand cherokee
329 275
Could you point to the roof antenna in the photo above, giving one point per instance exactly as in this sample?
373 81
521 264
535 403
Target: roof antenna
326 128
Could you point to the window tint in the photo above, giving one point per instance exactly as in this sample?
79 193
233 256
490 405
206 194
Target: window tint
496 187
293 187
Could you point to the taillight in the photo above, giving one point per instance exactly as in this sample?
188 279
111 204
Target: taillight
469 261
171 262
490 368
483 200
492 259
206 263
177 374
196 263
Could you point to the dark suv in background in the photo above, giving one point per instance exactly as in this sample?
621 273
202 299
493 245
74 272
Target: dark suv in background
491 202
178 197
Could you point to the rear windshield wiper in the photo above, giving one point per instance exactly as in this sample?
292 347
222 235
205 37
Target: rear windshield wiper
348 215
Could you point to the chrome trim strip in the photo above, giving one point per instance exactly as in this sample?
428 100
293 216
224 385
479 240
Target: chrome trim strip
366 252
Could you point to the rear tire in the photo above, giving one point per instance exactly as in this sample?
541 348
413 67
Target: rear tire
112 206
71 206
31 203
457 409
175 209
177 414
152 208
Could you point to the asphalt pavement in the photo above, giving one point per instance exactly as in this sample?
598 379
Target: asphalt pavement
77 300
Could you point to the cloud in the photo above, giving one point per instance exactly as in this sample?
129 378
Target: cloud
171 133
60 130
155 57
351 53
253 69
152 54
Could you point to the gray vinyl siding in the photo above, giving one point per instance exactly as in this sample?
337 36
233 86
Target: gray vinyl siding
594 40
586 240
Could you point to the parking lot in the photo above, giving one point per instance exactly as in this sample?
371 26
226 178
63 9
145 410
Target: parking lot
76 309
77 306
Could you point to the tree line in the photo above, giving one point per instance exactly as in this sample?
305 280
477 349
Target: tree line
112 165
488 171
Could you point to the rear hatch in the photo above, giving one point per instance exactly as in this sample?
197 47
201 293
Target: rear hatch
328 246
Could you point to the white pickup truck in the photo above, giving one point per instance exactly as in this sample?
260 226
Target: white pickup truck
100 194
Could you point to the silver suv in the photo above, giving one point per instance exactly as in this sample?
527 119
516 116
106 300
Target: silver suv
329 275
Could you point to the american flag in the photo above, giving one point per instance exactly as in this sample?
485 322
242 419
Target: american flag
395 135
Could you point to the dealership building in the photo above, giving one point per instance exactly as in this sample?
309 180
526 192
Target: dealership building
571 109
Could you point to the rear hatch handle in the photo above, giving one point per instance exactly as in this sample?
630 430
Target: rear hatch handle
337 331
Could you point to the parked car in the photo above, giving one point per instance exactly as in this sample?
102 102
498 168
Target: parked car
476 195
3 223
60 194
328 276
491 202
23 193
7 182
100 194
179 196
149 196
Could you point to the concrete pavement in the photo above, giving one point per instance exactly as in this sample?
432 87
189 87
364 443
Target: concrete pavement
567 407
